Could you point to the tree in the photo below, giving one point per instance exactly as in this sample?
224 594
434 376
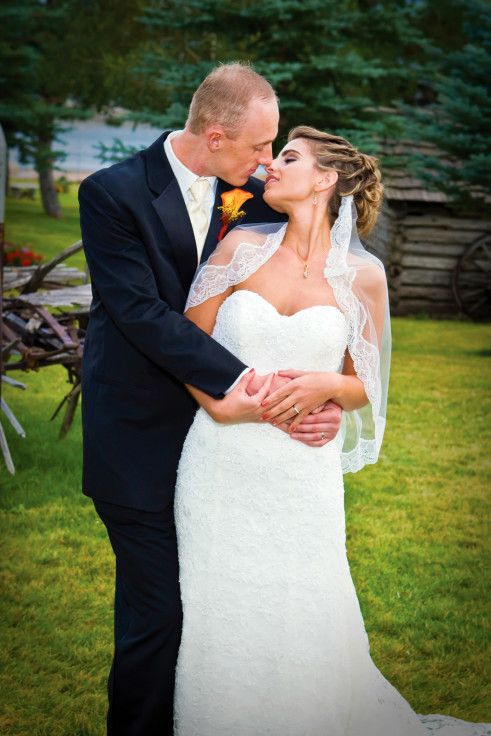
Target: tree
61 60
334 65
457 120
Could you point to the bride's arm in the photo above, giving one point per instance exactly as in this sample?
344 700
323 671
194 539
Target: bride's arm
308 391
205 314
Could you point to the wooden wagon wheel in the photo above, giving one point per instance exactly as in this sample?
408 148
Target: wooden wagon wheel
471 279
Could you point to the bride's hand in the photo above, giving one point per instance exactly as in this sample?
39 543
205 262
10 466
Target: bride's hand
239 405
305 392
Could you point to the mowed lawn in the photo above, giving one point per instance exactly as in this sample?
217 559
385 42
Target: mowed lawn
417 525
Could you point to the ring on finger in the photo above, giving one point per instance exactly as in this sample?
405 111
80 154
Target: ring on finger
296 409
322 435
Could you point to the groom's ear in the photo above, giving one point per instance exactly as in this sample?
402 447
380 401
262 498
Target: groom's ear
214 137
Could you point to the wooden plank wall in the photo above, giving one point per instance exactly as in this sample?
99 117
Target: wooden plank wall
420 245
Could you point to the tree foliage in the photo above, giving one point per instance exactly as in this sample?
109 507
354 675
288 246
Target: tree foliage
334 65
458 119
60 60
361 68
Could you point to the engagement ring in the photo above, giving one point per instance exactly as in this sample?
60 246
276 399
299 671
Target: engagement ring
296 409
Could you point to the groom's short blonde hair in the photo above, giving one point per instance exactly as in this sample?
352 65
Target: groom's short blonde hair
224 97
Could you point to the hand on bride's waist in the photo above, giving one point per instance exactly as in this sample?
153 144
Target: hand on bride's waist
307 392
257 383
244 402
316 429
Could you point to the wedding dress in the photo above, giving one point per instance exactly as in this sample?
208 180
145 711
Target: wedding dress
273 638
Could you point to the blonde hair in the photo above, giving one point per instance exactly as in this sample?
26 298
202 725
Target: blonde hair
224 97
358 174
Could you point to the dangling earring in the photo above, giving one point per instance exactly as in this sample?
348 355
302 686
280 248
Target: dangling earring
315 198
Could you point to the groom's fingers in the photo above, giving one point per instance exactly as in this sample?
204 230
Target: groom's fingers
305 428
312 440
327 419
263 391
246 380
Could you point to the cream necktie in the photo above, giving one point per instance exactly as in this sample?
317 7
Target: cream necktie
197 214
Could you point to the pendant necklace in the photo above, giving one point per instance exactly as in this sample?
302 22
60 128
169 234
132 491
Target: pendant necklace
306 264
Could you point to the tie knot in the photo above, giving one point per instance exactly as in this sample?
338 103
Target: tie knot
198 189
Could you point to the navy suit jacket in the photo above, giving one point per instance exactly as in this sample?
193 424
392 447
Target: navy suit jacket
139 349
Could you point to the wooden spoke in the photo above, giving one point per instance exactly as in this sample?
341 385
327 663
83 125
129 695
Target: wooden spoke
471 279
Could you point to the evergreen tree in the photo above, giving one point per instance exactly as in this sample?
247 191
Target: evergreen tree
458 119
334 65
60 60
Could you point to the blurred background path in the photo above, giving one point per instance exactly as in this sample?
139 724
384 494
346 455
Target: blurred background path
81 146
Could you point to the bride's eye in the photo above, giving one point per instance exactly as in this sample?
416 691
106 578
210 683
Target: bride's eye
289 160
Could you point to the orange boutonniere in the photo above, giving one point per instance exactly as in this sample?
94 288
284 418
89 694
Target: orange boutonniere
231 203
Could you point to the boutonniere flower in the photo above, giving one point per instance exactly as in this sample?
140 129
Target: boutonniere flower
231 203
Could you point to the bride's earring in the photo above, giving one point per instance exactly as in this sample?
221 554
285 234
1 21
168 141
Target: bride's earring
315 198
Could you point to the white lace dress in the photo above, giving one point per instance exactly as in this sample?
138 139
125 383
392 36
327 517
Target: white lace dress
273 638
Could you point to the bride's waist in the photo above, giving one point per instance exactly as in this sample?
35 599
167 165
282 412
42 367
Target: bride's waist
254 434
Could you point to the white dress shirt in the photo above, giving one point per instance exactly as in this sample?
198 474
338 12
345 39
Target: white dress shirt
185 178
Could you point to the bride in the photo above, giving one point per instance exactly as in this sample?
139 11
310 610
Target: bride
273 638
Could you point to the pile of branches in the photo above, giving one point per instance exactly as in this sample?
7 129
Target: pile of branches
34 337
39 339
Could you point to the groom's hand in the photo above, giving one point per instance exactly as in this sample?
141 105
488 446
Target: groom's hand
257 383
320 427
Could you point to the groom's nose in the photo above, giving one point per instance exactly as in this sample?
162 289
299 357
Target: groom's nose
266 155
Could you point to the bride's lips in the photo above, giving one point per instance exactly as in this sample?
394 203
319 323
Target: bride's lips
270 180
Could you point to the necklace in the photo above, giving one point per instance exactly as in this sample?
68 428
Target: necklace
306 264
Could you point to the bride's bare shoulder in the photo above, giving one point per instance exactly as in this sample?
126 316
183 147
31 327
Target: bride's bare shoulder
232 242
370 274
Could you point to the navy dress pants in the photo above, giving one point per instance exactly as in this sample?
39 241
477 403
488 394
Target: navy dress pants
147 620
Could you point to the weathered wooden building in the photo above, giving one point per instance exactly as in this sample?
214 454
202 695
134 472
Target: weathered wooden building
426 249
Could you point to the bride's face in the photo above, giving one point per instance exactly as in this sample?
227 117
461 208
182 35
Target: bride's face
292 176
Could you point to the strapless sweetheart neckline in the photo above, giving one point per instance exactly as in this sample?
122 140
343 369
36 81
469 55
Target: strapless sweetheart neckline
298 312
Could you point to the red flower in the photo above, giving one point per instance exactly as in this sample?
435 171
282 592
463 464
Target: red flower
16 257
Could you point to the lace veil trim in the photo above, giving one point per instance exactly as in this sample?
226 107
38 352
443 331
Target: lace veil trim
235 260
369 339
360 289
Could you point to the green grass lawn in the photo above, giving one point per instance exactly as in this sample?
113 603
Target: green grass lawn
417 535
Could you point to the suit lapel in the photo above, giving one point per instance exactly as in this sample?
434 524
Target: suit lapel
174 217
171 210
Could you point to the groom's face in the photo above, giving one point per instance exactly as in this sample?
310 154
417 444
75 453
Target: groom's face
237 159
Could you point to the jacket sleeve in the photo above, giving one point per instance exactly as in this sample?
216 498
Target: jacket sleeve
125 282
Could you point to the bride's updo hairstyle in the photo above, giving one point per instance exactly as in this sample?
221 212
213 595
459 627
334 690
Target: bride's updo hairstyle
358 174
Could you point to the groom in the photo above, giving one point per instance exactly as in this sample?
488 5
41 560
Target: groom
146 223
